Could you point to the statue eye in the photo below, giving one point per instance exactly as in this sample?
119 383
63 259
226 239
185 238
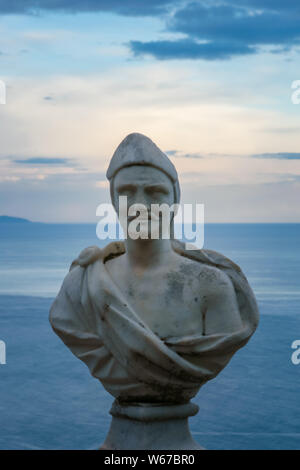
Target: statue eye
157 190
126 189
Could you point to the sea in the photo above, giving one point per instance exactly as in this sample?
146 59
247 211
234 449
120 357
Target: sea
48 400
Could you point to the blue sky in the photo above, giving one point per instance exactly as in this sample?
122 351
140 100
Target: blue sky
209 81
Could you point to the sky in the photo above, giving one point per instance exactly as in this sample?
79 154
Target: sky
210 82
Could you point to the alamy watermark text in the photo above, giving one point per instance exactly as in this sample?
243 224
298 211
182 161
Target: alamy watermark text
296 354
2 352
2 92
159 221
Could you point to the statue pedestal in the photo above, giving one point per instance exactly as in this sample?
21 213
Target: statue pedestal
150 427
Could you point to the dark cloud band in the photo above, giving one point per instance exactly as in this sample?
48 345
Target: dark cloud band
279 155
122 7
44 161
215 30
189 49
235 24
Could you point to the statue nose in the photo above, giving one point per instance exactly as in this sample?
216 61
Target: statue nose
144 200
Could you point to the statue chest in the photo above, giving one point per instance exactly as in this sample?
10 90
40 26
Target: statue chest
170 307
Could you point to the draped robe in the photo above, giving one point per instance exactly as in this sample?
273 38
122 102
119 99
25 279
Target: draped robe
96 322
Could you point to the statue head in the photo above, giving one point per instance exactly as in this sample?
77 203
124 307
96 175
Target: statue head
144 174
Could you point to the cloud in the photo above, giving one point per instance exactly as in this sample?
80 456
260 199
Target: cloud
223 30
178 154
93 113
189 49
280 130
269 4
279 155
233 24
122 7
45 161
215 30
131 7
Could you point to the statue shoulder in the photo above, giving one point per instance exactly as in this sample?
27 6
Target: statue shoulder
211 279
216 281
87 256
72 284
93 253
212 269
208 257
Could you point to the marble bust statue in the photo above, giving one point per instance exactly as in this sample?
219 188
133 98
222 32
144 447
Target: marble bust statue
151 320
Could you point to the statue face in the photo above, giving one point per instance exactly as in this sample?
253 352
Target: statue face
142 185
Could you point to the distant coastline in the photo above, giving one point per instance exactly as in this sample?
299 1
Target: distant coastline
6 219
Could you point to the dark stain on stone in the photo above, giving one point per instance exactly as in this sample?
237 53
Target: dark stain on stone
187 269
175 284
130 291
204 311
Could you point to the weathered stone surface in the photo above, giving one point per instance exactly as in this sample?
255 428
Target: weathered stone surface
152 320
